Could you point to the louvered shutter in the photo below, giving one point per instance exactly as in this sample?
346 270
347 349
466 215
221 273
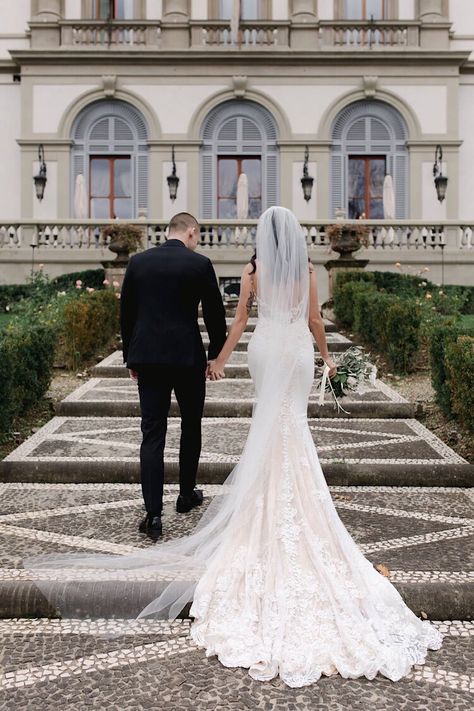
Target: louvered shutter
208 191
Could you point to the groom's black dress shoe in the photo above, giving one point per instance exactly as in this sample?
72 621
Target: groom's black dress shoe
151 525
186 503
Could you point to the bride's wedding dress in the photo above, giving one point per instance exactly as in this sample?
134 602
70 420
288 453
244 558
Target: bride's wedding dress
277 583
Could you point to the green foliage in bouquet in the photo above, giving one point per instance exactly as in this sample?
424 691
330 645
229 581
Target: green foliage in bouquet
353 371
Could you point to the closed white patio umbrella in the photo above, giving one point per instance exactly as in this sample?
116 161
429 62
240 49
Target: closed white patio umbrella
242 205
389 205
80 201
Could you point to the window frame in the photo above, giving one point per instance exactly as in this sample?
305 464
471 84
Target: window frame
110 158
367 197
391 11
239 158
89 11
266 11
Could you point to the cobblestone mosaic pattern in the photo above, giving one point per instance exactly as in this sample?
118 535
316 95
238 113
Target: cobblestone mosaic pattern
118 439
65 665
421 534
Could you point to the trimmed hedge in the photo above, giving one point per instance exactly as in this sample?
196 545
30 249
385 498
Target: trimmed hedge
89 323
387 322
459 365
26 367
442 337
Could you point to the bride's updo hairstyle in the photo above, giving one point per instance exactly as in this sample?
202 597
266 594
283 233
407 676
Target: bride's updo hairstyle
283 286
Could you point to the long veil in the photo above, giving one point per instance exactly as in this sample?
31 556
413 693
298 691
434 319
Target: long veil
159 581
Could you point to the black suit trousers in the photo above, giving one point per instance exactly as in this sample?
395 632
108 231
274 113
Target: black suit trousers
155 385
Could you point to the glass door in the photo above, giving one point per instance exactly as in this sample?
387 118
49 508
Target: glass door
111 187
365 190
229 170
113 9
365 9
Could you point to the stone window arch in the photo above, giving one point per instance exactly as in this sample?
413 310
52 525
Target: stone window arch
238 128
369 128
112 128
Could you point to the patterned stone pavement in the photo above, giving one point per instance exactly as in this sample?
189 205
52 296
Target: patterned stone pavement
422 533
49 664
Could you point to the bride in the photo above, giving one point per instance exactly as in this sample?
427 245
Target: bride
277 583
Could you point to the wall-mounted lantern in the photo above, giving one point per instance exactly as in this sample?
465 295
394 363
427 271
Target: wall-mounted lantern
40 180
440 180
306 181
173 180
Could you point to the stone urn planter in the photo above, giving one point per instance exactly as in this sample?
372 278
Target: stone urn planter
344 239
122 240
347 239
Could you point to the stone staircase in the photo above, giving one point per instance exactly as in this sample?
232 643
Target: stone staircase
402 493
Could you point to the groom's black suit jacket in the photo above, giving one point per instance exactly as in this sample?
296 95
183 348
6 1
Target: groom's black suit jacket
161 292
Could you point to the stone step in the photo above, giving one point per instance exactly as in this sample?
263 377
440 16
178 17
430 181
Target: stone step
330 327
113 366
360 452
420 535
231 397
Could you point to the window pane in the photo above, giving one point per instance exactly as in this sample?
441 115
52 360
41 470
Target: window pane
255 208
376 209
122 178
353 9
102 9
374 8
227 209
100 209
251 167
227 177
100 177
124 9
249 9
356 177
123 208
377 175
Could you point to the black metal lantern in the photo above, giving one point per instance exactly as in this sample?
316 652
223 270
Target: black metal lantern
40 180
173 180
306 181
440 180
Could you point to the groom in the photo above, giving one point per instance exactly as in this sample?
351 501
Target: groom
163 350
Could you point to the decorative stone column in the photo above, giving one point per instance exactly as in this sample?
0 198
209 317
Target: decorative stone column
175 24
434 31
45 30
304 27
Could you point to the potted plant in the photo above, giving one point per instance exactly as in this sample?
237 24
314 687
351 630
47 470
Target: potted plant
122 239
347 239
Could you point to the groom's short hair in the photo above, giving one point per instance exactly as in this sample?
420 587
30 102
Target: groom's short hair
181 222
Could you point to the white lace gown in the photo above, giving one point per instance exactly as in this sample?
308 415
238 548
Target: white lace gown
288 592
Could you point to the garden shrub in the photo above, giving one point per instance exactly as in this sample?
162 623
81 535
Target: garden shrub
442 336
459 368
344 296
88 324
26 366
41 288
401 334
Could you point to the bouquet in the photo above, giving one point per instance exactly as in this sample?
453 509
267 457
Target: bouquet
353 370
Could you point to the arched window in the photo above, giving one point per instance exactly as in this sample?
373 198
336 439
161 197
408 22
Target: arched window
110 150
369 142
238 137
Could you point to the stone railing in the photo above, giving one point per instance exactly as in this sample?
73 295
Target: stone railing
218 34
367 35
117 33
85 235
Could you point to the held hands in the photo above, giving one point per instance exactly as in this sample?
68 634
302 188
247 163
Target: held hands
332 366
215 370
